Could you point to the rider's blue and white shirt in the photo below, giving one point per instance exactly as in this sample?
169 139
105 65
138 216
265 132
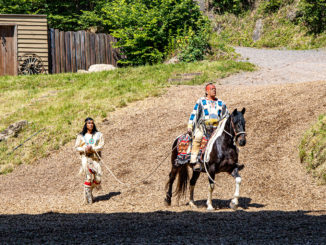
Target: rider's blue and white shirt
208 112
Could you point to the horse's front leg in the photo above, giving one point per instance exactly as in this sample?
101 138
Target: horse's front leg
234 202
195 175
211 185
169 185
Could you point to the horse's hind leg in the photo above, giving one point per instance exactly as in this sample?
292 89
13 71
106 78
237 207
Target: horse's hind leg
234 202
195 175
169 185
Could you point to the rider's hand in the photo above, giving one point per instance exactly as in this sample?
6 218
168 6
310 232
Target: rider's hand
88 149
189 131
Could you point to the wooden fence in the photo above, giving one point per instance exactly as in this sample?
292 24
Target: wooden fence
72 51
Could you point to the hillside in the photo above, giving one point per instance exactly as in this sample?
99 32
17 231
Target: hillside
59 103
291 24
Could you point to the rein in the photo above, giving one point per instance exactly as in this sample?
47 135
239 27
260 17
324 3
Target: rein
236 134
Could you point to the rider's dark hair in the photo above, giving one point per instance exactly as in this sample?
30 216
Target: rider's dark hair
84 131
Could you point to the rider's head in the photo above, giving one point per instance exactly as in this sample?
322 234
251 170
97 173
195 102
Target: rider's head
210 90
89 125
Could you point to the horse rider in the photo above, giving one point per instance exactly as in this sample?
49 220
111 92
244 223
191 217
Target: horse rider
206 115
89 144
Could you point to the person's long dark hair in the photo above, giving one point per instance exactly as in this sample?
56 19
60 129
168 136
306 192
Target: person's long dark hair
84 131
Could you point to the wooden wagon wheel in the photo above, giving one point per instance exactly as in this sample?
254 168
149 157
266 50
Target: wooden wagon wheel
31 64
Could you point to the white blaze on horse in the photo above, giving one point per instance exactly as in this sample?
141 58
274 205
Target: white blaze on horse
221 155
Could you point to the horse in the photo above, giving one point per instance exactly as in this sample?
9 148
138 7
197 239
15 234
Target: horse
221 156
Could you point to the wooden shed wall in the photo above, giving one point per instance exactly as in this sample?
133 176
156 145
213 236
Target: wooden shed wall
32 35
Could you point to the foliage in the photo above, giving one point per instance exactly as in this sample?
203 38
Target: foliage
192 46
314 14
278 29
220 48
60 102
230 6
145 29
62 14
273 5
312 149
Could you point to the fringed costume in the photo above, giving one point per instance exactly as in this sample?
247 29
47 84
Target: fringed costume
90 161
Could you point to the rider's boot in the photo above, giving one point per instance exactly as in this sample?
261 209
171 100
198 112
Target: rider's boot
194 154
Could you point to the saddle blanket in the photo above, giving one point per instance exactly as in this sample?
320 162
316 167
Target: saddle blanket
184 149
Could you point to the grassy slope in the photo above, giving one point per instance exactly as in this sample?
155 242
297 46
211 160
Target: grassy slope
278 29
313 149
59 103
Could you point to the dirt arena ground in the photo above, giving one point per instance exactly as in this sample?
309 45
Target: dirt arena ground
280 203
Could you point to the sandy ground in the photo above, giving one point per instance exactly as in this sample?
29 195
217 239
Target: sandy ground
280 203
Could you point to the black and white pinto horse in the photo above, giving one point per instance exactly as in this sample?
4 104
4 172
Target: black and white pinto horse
221 156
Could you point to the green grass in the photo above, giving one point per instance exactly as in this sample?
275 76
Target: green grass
312 149
278 30
59 103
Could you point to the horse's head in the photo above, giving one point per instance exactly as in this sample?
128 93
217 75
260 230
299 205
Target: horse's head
238 126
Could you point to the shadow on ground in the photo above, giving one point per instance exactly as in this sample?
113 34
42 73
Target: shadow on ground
298 227
106 197
244 202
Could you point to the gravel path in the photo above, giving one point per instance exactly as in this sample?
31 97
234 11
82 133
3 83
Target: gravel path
280 66
280 203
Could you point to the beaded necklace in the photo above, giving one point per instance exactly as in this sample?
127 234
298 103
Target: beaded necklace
90 142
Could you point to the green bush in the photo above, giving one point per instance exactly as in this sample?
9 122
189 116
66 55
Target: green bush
314 14
148 31
194 50
61 14
230 6
312 149
272 6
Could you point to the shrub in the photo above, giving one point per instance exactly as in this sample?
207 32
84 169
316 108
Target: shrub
314 14
146 29
192 46
272 6
230 6
312 149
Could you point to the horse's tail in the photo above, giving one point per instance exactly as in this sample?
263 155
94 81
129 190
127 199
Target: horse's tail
182 181
182 172
173 158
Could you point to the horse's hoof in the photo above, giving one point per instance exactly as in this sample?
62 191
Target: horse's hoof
210 208
191 204
167 202
233 205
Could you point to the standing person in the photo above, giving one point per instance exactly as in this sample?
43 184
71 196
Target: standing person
89 144
206 115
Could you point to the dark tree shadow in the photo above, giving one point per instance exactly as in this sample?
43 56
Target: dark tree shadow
165 227
106 197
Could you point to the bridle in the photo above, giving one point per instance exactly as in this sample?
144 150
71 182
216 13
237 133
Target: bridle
236 134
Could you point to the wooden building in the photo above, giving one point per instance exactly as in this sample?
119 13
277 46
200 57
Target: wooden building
23 44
